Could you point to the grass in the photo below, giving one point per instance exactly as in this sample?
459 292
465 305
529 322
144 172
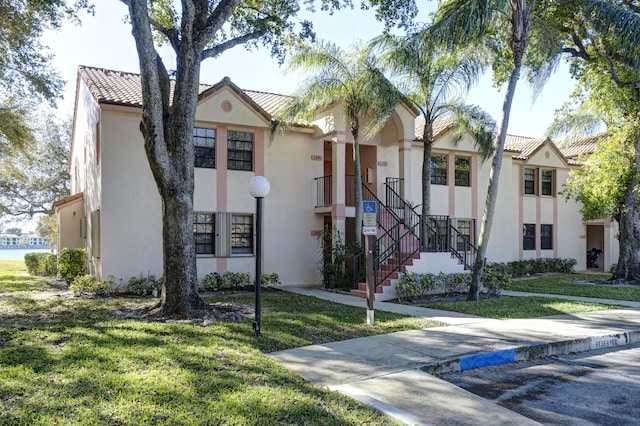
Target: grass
562 284
520 307
69 361
12 265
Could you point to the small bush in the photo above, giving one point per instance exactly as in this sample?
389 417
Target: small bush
495 279
36 263
269 279
143 286
454 283
210 282
51 264
72 263
522 268
236 280
89 284
413 286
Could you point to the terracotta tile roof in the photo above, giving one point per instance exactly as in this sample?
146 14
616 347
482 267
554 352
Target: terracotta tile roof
583 146
439 127
124 88
524 146
270 102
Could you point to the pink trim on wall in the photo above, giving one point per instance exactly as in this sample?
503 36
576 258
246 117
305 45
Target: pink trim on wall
338 211
538 222
555 226
221 168
451 182
221 265
520 215
474 186
259 152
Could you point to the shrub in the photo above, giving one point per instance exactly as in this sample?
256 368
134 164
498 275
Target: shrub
521 268
495 279
72 263
454 283
269 279
340 265
236 280
413 286
210 282
36 263
51 264
88 283
143 286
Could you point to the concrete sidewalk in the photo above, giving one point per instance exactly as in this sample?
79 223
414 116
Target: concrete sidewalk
393 372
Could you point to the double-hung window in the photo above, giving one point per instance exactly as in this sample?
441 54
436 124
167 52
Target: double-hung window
530 181
463 171
241 234
546 182
546 237
204 227
529 236
205 147
439 169
223 234
239 150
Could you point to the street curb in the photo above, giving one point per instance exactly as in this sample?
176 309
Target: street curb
530 352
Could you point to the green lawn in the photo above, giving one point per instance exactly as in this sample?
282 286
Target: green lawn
532 307
520 307
562 284
12 265
68 361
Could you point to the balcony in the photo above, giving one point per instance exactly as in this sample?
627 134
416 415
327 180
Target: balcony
324 192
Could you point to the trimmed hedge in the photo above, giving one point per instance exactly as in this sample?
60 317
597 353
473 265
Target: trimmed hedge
41 263
72 263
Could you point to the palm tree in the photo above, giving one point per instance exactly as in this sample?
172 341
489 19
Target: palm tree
473 21
352 80
462 22
432 79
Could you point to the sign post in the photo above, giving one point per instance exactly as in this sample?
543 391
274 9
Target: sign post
369 230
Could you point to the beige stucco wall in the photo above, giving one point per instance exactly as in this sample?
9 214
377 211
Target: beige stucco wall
70 219
131 208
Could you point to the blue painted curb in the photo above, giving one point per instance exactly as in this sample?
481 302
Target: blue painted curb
487 359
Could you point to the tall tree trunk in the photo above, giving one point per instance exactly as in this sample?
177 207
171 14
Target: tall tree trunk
167 128
427 140
355 130
519 42
628 267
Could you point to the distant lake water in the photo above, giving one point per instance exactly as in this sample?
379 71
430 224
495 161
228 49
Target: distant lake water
18 254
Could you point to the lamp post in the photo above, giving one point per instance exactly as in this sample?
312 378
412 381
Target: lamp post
258 188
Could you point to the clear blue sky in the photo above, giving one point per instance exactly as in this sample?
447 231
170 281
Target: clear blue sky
105 41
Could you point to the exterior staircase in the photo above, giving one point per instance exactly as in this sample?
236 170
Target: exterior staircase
397 246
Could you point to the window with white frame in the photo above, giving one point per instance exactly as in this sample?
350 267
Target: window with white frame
241 234
204 227
439 169
529 181
546 182
223 234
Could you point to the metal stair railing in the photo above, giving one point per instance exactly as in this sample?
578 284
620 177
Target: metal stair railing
462 248
395 245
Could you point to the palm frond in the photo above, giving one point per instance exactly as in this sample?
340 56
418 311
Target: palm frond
621 23
471 119
570 128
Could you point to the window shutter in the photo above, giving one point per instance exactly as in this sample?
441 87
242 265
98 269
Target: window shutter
95 233
223 234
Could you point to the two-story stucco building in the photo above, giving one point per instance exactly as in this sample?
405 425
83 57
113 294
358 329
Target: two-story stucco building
114 209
